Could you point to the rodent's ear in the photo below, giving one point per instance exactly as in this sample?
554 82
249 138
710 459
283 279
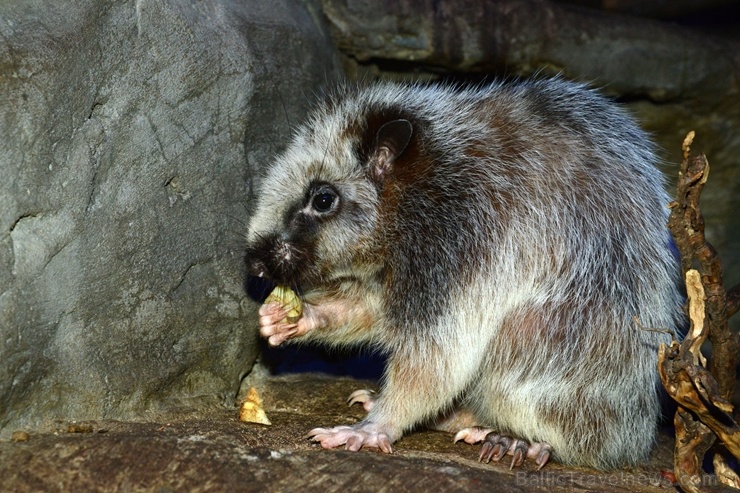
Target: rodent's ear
390 142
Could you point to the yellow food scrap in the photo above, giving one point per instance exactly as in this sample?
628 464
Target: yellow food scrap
251 410
289 300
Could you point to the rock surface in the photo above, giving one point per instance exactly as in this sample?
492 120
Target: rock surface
219 453
130 133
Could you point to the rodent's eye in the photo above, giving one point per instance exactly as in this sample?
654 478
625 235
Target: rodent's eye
322 202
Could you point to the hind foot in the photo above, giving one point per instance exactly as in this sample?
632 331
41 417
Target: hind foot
496 446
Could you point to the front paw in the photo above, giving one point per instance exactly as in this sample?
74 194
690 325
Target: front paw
272 325
353 437
277 330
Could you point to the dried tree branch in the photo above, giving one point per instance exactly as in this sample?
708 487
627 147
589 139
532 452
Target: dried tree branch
695 440
733 300
686 224
724 472
691 385
703 396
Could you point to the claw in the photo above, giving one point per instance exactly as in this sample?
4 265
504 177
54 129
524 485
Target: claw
520 452
461 435
543 456
472 435
501 445
385 444
498 452
364 397
354 444
316 431
486 451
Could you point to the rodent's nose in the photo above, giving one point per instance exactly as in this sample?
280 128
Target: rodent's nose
255 266
257 256
271 257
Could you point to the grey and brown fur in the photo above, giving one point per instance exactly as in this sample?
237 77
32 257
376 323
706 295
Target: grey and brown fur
497 242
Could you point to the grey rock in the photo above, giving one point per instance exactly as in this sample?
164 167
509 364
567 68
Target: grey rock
131 132
635 57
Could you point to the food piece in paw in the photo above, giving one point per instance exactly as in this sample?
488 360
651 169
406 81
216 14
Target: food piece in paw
290 301
352 437
496 446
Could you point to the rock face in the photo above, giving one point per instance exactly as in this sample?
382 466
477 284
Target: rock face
129 135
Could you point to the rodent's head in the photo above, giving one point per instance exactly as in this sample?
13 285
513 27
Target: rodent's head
318 207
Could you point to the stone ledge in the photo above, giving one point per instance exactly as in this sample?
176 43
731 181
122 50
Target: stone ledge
196 452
